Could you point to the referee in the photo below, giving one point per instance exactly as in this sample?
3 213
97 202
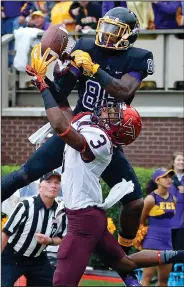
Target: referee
31 227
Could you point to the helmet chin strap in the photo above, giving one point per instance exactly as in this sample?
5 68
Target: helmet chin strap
124 40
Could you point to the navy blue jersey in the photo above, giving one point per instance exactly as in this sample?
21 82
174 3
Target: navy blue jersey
115 63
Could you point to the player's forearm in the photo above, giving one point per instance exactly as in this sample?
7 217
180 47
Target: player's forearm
62 87
55 116
62 125
122 90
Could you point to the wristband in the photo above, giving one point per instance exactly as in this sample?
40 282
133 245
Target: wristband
74 70
159 257
65 132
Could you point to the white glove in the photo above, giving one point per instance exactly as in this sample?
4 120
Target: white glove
40 135
116 193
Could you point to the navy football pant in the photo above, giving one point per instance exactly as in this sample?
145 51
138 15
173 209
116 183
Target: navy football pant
50 155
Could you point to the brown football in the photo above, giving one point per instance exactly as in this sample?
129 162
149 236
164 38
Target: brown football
56 38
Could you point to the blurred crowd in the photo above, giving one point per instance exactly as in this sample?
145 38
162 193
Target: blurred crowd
82 16
79 17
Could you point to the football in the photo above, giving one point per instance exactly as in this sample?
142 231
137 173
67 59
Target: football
56 38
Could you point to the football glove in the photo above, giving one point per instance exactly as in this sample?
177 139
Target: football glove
37 80
38 62
83 60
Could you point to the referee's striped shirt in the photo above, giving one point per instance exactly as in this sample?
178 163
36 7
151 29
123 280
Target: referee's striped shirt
29 217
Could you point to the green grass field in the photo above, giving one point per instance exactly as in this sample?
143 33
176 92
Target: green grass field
100 283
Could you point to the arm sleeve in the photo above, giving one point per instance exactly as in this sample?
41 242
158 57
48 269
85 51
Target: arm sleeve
147 65
25 9
139 76
62 87
63 84
141 61
14 220
169 8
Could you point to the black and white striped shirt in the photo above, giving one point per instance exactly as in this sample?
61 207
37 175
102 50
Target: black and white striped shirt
29 217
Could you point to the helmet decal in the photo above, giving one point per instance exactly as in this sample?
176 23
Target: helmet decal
118 29
129 128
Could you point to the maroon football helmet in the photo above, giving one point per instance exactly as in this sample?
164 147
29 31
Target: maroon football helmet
122 122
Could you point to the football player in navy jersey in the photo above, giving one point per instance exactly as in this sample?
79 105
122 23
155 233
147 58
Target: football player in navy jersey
107 68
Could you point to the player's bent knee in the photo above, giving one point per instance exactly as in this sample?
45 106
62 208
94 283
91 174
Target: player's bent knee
19 175
13 181
23 175
125 266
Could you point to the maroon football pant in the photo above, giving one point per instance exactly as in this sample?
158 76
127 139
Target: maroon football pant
87 232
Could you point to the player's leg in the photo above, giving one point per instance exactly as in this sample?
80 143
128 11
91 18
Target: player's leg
130 213
72 259
142 259
148 274
163 274
148 258
46 158
86 227
114 256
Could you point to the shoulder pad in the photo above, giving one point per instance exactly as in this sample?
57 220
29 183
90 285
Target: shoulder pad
85 44
138 52
141 60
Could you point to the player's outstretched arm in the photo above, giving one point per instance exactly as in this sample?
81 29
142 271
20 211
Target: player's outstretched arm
62 86
60 123
122 89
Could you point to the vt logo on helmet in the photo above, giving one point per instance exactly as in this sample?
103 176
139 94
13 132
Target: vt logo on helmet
118 29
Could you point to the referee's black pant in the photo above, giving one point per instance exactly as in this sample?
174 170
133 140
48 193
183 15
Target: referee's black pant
37 270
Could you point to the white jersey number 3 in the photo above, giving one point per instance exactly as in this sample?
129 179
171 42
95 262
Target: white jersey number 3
99 143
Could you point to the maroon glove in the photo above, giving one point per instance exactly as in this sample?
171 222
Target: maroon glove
37 80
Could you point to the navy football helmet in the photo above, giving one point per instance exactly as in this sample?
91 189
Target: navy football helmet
118 29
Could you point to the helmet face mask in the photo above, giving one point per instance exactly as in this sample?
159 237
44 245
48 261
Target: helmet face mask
112 34
107 114
121 122
115 33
